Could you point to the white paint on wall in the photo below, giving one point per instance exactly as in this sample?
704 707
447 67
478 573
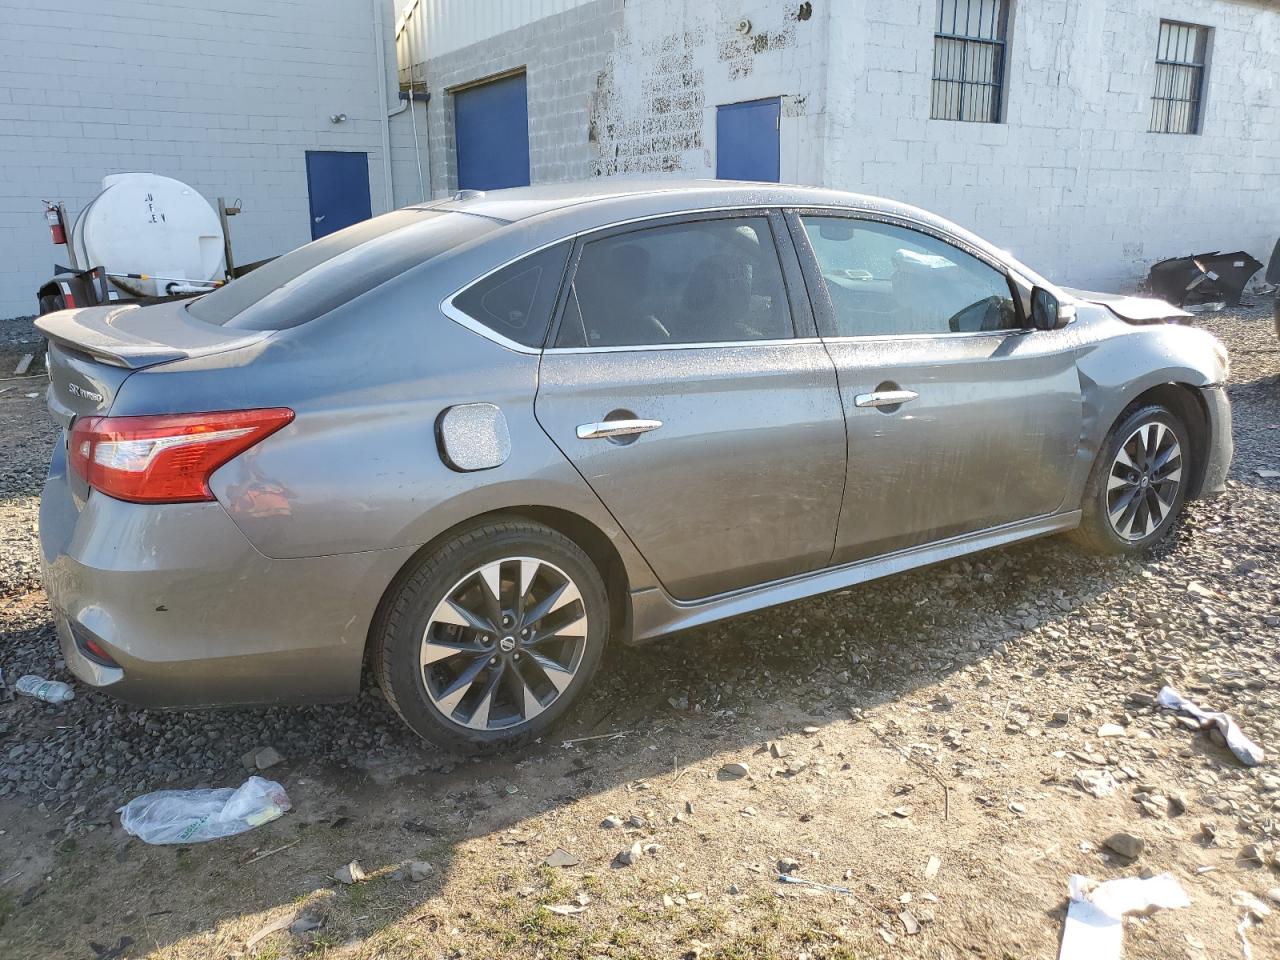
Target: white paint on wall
1071 181
227 97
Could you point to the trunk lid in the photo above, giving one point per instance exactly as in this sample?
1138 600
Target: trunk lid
94 350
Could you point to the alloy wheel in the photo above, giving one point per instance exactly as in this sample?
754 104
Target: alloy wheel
504 643
1143 483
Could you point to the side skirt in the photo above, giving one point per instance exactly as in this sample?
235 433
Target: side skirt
656 613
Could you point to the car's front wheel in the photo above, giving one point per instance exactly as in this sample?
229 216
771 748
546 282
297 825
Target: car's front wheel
490 638
1138 483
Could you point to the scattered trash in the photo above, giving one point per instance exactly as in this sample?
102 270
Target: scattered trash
932 867
1203 278
193 816
909 923
350 873
1096 783
1094 929
566 909
1249 753
788 878
1268 474
50 691
24 363
561 858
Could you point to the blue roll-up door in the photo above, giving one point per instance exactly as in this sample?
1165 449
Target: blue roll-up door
491 128
747 140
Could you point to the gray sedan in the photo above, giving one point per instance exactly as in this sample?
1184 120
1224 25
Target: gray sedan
473 442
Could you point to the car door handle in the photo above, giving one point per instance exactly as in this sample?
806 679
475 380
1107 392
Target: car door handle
320 219
616 428
884 398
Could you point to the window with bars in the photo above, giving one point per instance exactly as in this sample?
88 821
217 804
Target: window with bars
968 60
1180 52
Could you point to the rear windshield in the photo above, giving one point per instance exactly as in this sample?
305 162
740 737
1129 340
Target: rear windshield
333 270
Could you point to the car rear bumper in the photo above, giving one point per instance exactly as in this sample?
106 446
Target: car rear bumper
1221 446
191 614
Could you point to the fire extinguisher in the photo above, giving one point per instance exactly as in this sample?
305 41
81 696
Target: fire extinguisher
58 229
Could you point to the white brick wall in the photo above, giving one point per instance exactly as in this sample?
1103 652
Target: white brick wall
226 95
1071 181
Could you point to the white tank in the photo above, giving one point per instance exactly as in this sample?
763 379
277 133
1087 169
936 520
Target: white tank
145 223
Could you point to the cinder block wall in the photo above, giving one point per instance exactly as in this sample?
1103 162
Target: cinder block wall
1071 182
562 56
226 96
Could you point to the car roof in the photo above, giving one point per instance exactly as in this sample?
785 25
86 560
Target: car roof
569 208
519 203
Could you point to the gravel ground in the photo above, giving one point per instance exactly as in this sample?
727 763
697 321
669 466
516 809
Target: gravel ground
996 673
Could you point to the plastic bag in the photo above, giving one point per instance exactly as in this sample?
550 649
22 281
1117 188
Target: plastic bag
192 816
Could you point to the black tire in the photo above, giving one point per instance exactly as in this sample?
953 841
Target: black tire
51 303
399 635
1096 532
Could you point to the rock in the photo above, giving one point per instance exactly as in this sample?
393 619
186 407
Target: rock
565 909
909 923
561 858
419 870
1274 894
307 921
260 758
1126 845
1254 853
1178 803
611 822
1096 783
902 812
734 890
734 771
626 858
788 866
349 873
636 822
811 731
931 868
1111 730
1062 716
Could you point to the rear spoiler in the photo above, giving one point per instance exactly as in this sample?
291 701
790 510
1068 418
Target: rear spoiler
128 336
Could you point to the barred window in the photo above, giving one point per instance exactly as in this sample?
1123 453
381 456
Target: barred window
968 60
1175 105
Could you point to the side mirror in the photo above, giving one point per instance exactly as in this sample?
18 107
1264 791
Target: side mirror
1046 312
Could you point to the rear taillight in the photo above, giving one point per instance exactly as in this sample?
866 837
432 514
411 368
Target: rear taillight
167 458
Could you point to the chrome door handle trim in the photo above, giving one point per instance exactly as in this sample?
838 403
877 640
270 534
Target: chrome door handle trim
616 428
884 398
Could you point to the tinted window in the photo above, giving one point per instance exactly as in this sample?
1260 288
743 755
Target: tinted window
517 300
886 280
329 272
709 281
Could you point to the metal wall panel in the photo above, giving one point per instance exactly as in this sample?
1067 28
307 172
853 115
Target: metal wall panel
429 28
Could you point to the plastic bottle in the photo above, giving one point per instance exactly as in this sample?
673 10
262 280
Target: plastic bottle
50 691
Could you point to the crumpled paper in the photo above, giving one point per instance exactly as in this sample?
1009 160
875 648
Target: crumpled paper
1095 917
1248 752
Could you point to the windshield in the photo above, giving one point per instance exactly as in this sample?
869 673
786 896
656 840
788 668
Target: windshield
331 271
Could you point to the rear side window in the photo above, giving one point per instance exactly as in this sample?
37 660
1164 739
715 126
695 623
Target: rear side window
516 302
707 281
325 274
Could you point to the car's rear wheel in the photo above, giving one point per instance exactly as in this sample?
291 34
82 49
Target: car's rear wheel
1138 484
490 639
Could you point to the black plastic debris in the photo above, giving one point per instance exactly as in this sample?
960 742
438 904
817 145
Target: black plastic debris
1204 278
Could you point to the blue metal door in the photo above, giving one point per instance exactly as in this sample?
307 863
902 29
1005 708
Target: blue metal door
747 140
338 186
491 128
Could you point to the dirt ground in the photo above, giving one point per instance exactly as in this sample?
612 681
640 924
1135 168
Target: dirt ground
914 742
